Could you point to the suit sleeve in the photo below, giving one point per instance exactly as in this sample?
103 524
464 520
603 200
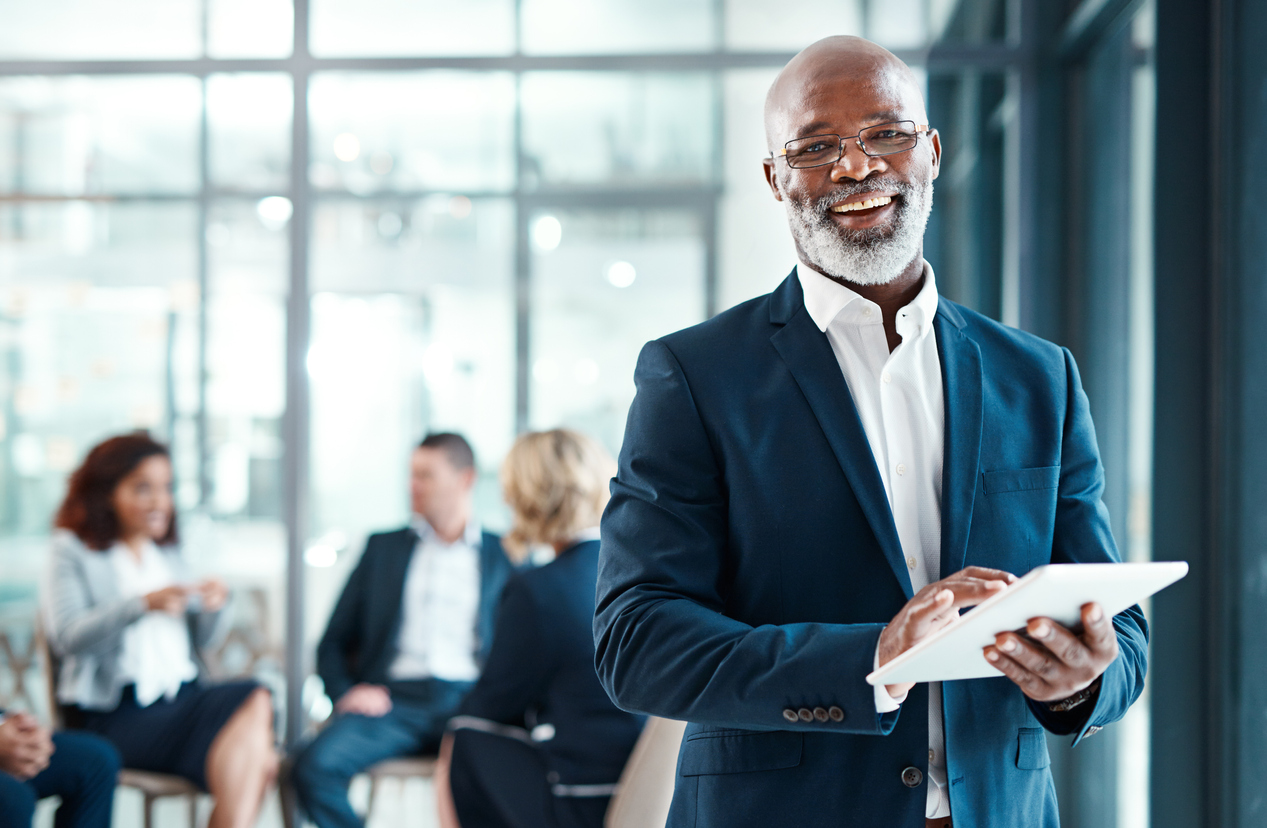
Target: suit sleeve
664 644
1083 535
343 634
520 662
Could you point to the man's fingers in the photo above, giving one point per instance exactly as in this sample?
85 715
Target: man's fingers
1032 685
987 574
1098 633
1032 657
1063 644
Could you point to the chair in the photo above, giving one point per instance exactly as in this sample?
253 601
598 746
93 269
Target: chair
645 788
404 767
152 786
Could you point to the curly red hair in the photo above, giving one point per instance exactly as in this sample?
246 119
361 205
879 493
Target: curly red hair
87 510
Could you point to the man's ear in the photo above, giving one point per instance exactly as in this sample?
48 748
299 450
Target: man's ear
468 477
771 178
935 140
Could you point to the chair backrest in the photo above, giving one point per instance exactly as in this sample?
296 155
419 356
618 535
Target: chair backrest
51 666
646 783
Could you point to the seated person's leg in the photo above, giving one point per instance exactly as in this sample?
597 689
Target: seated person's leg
17 802
83 771
498 782
348 745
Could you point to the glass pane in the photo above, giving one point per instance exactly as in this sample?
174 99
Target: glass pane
954 21
92 30
755 250
413 131
79 135
249 124
605 283
637 129
616 26
759 25
250 28
365 28
98 308
965 237
413 329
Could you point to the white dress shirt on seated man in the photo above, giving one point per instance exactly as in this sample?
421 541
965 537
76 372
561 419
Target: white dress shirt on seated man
439 607
902 407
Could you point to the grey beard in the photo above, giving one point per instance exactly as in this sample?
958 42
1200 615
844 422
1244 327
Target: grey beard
874 256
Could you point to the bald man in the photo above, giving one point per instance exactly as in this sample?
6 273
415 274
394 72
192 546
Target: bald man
815 480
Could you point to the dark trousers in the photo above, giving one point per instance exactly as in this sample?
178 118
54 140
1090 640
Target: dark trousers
350 744
500 782
83 771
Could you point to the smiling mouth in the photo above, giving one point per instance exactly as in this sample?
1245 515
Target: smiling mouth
866 204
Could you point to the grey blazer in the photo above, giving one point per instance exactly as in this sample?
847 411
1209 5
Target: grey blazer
85 616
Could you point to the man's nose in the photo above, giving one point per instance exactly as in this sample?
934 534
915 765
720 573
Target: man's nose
855 164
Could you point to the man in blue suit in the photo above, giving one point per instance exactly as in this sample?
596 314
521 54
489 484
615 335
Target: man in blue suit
80 768
409 634
815 480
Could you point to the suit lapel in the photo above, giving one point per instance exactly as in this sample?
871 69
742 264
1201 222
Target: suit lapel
395 570
809 357
961 384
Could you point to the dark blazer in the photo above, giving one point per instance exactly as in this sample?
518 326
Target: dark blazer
359 644
541 672
750 561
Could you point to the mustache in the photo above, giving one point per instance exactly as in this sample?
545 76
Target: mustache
823 205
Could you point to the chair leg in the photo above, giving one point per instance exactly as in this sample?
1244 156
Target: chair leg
149 811
193 811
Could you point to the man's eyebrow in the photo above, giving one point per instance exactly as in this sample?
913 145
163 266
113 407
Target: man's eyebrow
888 116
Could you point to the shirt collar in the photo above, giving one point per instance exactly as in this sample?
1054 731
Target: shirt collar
472 536
825 299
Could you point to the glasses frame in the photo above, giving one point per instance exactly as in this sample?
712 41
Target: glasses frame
920 129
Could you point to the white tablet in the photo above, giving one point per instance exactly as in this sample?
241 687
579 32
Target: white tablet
1056 591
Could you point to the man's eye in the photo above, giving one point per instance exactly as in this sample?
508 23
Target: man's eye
817 146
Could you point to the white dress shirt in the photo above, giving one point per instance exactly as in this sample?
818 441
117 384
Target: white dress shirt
155 655
902 407
439 607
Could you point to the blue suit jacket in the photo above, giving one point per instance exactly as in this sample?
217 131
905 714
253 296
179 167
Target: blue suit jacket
359 644
541 671
750 561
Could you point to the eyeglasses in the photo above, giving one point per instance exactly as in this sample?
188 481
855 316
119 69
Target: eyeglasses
881 139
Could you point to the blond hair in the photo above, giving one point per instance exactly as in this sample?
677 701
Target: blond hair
556 483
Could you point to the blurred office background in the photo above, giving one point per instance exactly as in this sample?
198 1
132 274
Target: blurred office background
291 236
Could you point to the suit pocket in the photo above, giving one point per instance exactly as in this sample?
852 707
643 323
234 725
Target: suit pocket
1020 480
740 751
1031 750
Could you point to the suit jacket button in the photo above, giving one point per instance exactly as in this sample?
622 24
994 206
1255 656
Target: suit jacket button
911 777
820 713
789 714
836 714
805 714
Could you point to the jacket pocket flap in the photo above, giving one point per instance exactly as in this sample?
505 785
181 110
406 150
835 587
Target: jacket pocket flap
1031 751
740 751
1020 480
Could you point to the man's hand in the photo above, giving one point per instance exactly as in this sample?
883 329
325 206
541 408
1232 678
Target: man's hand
935 606
214 594
171 600
1053 663
25 747
365 700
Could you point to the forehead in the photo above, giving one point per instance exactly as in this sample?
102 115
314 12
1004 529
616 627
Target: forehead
845 100
427 457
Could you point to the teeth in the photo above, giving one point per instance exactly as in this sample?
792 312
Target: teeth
878 201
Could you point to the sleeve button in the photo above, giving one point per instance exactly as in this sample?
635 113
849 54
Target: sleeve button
820 714
836 714
911 777
789 714
805 714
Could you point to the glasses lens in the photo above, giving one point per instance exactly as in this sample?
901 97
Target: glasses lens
884 139
813 151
